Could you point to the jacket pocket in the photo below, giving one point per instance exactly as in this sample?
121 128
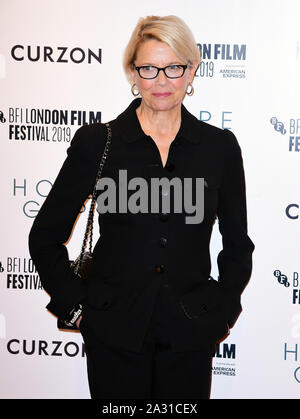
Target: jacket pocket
104 297
205 299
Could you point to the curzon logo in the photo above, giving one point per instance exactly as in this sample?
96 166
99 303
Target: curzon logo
44 348
160 190
55 54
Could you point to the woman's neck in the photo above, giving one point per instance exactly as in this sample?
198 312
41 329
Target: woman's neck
159 123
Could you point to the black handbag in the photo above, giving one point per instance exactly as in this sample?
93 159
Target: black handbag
82 263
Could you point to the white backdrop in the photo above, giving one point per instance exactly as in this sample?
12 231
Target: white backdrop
249 82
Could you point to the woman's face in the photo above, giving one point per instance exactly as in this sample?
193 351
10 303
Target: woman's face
161 93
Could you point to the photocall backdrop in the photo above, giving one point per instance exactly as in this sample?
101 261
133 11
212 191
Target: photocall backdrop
61 67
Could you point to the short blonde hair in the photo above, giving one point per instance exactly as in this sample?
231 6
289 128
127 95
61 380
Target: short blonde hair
169 29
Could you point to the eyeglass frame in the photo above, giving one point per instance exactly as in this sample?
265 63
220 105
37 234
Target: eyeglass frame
184 67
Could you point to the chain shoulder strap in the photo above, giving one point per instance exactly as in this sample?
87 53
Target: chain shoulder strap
90 221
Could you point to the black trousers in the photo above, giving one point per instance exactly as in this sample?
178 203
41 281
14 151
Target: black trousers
154 373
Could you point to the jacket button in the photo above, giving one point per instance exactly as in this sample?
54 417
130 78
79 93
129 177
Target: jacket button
159 269
163 242
164 216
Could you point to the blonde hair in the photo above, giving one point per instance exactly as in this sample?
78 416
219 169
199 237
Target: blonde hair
169 29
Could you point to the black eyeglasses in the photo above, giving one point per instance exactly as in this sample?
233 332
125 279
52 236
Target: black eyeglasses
174 71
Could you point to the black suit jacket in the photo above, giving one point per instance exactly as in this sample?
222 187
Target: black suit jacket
138 253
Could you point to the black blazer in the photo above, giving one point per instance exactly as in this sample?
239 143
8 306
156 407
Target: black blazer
138 253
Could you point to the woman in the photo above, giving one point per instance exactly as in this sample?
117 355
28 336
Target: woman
151 312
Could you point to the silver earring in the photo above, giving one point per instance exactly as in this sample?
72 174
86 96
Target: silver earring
191 91
134 90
